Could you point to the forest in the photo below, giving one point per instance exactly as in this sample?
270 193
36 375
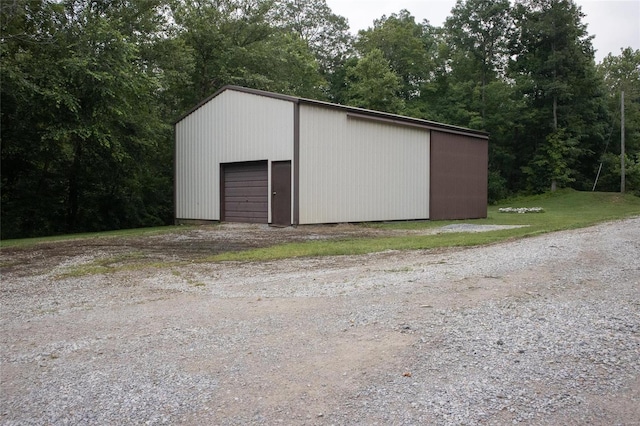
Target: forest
90 90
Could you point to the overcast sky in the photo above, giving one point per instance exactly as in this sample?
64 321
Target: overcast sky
615 23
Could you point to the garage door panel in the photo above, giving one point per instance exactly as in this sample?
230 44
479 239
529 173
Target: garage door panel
248 199
236 176
245 206
245 192
244 184
248 217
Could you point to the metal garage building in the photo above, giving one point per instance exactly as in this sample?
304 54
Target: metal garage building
245 155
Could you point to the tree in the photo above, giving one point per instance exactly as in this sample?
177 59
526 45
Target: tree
78 119
326 34
477 33
622 73
373 85
468 87
90 90
550 162
233 42
218 35
406 45
554 70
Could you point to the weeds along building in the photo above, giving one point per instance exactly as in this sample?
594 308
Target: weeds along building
245 155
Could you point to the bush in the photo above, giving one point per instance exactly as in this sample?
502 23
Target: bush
497 189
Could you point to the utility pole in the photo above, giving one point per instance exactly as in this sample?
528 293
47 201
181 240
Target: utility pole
622 142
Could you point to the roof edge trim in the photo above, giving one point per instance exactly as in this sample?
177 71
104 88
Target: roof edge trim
237 89
415 124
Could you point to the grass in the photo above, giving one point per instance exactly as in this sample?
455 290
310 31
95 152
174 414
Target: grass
363 246
566 209
131 260
138 232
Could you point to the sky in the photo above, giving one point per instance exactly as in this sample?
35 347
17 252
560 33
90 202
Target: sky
614 23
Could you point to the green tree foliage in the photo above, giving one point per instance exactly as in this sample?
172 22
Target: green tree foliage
78 117
470 88
372 84
477 35
233 42
90 90
407 46
554 71
621 73
550 162
325 33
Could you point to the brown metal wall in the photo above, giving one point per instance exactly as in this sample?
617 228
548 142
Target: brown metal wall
459 174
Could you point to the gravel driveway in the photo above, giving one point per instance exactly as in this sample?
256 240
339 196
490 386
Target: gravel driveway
542 330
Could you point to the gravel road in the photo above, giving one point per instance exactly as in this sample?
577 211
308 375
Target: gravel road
542 331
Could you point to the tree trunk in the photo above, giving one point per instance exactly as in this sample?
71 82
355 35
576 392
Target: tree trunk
555 129
555 113
73 201
484 84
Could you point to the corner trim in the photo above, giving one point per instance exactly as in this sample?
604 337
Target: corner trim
296 164
175 174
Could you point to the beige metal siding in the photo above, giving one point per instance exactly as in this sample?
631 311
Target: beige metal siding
232 127
354 170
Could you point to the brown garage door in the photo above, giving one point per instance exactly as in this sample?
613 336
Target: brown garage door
244 192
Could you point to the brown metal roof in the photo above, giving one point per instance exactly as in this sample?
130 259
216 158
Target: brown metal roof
351 111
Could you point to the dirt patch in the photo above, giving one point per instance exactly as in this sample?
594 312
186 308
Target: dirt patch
192 244
188 245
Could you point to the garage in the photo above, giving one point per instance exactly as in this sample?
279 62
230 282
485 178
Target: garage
245 155
244 192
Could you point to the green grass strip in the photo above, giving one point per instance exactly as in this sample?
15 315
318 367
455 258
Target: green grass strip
566 209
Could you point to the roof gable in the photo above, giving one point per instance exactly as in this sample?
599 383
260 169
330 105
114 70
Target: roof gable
354 111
